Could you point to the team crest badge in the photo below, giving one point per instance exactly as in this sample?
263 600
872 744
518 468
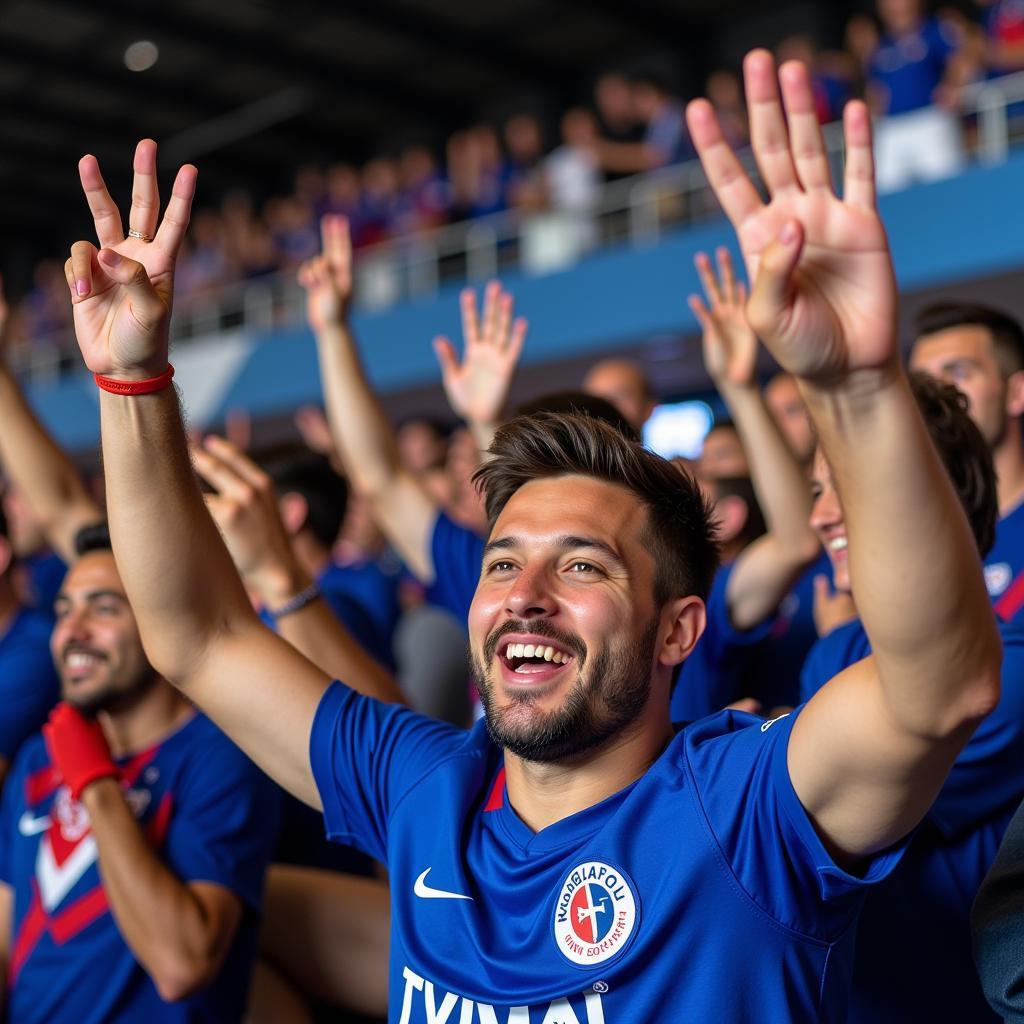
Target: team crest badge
595 914
997 578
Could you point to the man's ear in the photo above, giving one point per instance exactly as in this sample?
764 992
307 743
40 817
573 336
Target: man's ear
294 512
1015 394
731 514
685 618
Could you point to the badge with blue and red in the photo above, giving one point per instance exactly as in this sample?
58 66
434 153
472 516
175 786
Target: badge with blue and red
596 914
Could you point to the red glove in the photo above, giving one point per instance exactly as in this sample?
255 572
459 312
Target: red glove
77 748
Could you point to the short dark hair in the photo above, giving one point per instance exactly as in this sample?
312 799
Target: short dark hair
680 531
964 453
1007 334
294 468
93 537
585 405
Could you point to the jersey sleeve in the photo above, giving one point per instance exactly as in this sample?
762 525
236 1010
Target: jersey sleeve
29 688
224 821
738 767
457 554
365 756
13 786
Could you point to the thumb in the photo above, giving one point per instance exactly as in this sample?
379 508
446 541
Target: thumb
445 352
133 276
770 298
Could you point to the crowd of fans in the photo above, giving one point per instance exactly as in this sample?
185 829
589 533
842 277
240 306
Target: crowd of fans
909 65
752 743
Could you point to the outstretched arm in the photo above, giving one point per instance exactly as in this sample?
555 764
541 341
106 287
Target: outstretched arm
244 507
363 433
41 471
870 752
196 623
764 571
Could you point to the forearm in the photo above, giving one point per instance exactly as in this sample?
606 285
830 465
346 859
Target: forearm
39 469
914 564
160 919
179 577
765 571
367 445
316 632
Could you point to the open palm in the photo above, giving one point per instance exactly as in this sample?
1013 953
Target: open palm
824 293
122 292
478 387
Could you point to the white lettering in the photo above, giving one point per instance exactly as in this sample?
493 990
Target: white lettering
435 1015
560 1012
516 1015
595 1009
412 981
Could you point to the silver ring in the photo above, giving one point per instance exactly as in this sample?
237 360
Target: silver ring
139 234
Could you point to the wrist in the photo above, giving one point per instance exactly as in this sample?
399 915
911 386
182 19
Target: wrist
276 585
98 792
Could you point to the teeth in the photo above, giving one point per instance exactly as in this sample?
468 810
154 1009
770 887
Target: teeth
536 651
78 660
839 544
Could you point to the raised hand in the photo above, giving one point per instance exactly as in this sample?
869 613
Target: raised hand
477 388
327 278
823 292
122 292
244 507
729 343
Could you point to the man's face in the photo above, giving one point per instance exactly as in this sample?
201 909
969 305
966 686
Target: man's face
566 576
899 15
827 521
722 454
790 413
965 357
95 642
624 386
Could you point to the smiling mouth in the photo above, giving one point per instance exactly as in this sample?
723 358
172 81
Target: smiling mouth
526 660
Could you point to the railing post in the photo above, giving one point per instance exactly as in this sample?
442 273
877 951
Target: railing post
993 129
481 252
643 213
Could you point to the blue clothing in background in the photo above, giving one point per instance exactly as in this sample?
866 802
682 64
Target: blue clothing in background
458 553
915 926
909 68
1004 567
45 576
29 685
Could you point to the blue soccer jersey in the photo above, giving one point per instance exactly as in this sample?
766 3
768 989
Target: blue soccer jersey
458 553
907 69
211 817
29 686
1004 567
699 893
919 918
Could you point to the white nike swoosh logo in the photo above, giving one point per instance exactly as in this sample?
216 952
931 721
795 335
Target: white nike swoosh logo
28 825
425 892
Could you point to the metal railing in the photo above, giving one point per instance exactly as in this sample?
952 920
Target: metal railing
635 210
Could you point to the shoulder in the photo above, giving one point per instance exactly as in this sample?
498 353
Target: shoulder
205 753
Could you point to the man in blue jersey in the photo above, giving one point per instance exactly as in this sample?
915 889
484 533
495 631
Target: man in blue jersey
573 859
133 835
28 681
980 351
920 914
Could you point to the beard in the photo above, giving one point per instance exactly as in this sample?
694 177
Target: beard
113 696
598 707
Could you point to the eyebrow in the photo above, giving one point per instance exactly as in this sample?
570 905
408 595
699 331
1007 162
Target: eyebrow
94 595
567 542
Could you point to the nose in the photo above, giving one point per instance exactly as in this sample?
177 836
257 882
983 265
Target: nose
530 596
826 511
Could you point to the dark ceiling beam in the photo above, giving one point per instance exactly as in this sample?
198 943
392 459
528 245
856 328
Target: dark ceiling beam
270 48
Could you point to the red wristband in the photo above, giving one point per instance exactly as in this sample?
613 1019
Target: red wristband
135 387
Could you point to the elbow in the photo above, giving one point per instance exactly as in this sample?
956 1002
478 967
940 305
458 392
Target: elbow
179 977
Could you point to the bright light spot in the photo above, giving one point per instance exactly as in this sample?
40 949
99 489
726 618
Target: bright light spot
678 429
141 56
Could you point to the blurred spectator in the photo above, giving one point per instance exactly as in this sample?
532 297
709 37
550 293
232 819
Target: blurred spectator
725 93
913 77
378 210
47 307
1003 26
203 263
617 122
572 178
524 143
664 139
422 200
722 455
625 385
